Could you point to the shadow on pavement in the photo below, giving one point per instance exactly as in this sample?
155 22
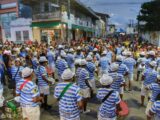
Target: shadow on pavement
136 88
132 103
133 118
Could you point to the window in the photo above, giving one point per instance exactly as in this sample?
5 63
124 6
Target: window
46 7
26 35
18 35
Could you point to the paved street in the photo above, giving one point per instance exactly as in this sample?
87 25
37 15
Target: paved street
133 100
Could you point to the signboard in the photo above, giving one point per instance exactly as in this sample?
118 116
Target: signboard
69 24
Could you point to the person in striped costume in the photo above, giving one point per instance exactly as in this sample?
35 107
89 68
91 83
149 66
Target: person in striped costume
107 110
148 76
71 102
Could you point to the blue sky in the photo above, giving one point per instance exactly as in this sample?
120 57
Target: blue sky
120 11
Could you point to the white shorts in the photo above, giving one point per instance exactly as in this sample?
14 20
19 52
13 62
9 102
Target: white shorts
102 118
149 105
31 113
85 93
121 90
44 90
63 118
130 77
144 92
92 84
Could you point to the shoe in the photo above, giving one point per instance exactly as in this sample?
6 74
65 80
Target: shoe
48 107
87 111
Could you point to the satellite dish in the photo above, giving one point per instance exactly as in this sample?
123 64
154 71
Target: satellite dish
55 5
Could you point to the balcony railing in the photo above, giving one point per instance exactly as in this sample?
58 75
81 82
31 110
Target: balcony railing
47 16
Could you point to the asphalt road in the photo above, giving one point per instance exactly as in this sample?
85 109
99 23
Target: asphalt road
136 112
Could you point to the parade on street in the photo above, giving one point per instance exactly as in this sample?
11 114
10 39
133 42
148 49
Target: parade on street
79 60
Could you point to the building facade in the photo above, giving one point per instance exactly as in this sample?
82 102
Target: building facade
61 20
10 10
21 30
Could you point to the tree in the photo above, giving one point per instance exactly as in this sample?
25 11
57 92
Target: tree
150 16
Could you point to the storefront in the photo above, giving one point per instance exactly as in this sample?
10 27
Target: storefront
49 31
81 32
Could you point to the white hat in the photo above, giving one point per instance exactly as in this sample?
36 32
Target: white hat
63 54
106 80
43 59
119 58
51 47
27 49
67 74
152 53
114 67
78 48
89 57
26 72
91 53
95 49
143 53
60 46
17 59
158 77
77 61
128 53
104 52
71 50
153 63
83 62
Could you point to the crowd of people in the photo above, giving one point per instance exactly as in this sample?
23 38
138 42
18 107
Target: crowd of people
30 70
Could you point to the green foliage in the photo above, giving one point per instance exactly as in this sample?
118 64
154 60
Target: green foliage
150 16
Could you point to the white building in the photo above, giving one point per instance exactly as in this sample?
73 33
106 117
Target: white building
152 37
21 30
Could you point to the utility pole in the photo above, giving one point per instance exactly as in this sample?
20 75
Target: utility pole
68 26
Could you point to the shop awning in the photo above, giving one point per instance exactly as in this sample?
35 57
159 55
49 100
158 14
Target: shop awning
87 29
45 24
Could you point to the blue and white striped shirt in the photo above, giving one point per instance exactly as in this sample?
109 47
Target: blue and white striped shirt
90 67
130 62
150 76
123 69
108 107
29 91
61 65
51 57
15 76
156 108
82 75
118 80
104 63
70 60
41 71
155 88
68 107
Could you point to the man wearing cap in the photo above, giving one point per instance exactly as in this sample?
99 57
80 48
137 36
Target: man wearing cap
79 54
51 58
104 63
91 68
16 70
61 65
154 111
155 88
29 96
150 57
71 102
83 83
123 69
70 59
149 76
43 82
107 110
130 63
141 64
118 79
